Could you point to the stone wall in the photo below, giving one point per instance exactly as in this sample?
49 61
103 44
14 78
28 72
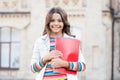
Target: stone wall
87 16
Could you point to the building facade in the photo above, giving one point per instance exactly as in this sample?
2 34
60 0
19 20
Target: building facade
22 22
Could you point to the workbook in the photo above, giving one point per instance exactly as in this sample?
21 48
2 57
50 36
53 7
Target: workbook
70 51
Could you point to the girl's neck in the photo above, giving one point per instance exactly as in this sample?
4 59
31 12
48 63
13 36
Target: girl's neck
55 35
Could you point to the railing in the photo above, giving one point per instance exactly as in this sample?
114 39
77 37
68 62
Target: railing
14 5
68 4
73 7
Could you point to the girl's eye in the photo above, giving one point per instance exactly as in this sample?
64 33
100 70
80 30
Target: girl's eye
52 20
59 20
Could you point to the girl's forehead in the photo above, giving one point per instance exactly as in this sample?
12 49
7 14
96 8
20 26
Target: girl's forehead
56 15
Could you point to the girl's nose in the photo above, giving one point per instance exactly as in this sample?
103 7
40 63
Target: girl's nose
56 22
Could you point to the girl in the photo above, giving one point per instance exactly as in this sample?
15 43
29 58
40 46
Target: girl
45 58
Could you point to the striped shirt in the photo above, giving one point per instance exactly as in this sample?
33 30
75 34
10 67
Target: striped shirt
50 74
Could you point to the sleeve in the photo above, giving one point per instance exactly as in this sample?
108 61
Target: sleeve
36 61
78 66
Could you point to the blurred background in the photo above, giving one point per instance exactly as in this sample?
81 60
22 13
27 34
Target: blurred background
95 22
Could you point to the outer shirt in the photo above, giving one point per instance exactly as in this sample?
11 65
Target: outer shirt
41 49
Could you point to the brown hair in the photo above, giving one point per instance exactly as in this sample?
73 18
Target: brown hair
63 14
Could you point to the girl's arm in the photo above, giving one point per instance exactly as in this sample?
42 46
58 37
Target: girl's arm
73 66
78 66
36 61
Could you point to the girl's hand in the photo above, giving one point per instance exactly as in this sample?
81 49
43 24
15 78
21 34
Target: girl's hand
58 63
53 54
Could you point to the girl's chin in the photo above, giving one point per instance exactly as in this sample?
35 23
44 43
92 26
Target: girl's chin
56 32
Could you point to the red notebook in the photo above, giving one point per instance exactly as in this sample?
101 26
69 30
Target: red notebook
70 49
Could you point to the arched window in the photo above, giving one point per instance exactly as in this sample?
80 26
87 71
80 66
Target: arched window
9 48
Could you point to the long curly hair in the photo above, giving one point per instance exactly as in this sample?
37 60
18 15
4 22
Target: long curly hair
63 14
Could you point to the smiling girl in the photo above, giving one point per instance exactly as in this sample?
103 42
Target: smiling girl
45 58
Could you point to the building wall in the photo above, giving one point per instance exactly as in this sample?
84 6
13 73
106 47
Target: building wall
87 16
21 22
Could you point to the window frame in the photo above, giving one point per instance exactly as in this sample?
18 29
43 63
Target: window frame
10 48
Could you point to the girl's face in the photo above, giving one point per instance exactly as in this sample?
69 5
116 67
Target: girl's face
56 25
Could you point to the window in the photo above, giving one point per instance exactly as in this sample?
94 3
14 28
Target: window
77 32
9 48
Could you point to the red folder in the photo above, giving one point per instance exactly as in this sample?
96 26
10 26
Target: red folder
70 49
